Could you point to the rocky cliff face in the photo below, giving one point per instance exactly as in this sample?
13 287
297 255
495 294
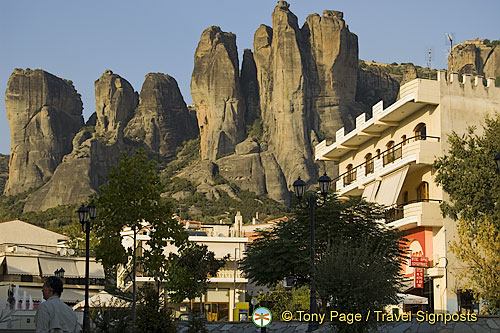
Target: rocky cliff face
162 120
115 101
375 85
44 113
216 93
475 57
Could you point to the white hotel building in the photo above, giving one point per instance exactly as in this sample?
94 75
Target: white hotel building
388 159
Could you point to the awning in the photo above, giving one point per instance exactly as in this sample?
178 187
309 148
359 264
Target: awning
371 190
96 271
22 265
103 299
390 187
72 295
413 299
49 266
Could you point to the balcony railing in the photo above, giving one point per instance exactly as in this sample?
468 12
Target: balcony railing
396 212
349 177
43 250
388 156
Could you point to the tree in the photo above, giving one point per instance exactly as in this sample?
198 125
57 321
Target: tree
354 249
153 314
468 174
131 199
190 270
281 299
479 249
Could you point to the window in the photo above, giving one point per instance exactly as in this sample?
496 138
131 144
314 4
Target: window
423 192
350 175
420 132
369 167
405 197
389 154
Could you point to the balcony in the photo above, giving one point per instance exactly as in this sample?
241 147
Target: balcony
417 213
419 150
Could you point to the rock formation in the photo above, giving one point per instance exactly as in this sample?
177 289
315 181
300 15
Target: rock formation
476 57
216 93
374 85
250 87
332 58
162 120
115 101
44 113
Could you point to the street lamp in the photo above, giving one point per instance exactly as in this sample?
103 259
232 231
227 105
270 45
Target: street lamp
497 161
299 187
59 273
84 212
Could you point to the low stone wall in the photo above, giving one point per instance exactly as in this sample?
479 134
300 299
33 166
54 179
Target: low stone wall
483 324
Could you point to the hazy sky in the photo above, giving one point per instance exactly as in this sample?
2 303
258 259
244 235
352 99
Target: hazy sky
79 40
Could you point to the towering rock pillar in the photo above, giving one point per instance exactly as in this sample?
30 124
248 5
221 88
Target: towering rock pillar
162 121
332 59
115 101
284 93
216 93
44 113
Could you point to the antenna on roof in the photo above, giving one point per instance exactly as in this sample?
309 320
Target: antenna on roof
450 39
429 63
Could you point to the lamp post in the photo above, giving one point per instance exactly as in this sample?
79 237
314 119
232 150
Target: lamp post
299 187
59 273
84 212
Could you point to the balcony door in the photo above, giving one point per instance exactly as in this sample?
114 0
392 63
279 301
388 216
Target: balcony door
423 192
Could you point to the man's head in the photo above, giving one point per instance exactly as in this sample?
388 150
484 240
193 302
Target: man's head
53 286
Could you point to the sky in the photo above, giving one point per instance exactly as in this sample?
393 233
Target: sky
79 40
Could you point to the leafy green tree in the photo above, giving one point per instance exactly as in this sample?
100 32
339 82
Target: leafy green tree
351 244
479 249
468 174
281 299
153 314
132 198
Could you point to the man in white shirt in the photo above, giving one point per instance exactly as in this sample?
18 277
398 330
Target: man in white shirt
53 316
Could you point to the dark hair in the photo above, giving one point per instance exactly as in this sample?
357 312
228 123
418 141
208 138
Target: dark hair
55 284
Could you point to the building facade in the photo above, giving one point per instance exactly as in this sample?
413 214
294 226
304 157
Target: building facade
225 290
388 159
29 254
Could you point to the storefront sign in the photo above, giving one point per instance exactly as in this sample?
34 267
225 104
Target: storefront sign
419 262
419 277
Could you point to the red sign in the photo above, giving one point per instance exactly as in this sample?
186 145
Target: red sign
419 262
418 277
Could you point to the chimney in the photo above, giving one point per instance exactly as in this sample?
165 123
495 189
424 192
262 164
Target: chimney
238 224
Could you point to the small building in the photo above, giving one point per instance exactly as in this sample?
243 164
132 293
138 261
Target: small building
29 254
225 290
388 159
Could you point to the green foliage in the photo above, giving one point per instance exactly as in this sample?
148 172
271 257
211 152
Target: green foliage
111 318
354 219
189 271
350 240
246 202
281 299
153 315
362 64
177 184
187 153
492 43
133 195
478 248
358 277
468 174
497 81
255 130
